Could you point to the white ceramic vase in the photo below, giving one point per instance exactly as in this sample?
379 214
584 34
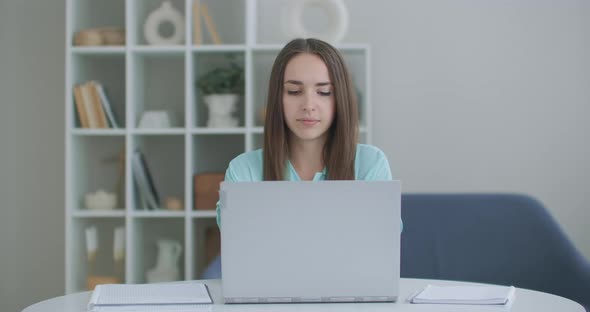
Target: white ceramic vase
157 119
166 268
221 107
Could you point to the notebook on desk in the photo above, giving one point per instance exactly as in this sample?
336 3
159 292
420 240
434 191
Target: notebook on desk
329 241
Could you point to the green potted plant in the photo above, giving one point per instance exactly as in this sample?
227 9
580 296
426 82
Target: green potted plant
221 89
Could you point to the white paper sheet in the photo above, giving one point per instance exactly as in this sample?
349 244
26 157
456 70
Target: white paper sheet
147 297
485 295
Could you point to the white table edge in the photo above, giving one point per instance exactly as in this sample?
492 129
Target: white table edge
525 300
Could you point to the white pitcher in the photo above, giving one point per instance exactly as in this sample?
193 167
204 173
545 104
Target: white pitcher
166 268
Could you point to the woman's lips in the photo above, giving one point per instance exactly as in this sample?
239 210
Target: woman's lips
308 121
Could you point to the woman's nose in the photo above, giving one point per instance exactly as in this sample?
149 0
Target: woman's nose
309 102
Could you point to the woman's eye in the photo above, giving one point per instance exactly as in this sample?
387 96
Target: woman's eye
325 93
293 92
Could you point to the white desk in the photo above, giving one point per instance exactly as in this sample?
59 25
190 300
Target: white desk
525 300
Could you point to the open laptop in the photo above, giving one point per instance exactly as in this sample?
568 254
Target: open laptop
329 241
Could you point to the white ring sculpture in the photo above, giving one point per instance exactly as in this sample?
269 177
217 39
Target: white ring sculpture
338 20
165 13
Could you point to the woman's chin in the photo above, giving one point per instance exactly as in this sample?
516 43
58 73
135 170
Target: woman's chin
310 136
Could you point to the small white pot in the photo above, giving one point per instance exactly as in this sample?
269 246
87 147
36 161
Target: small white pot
221 107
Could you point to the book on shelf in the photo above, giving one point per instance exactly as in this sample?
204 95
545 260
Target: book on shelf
201 11
106 104
146 189
80 107
88 106
93 106
101 118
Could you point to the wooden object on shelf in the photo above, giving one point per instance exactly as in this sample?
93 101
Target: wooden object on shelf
197 34
207 190
173 203
210 25
118 159
111 36
91 259
93 280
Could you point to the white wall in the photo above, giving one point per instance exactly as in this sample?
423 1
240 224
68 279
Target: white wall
31 152
480 96
485 96
468 96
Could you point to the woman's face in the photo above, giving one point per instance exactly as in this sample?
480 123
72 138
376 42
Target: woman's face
308 98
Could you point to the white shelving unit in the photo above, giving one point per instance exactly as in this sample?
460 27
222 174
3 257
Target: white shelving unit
139 77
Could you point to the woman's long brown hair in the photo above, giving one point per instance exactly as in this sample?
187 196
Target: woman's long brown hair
340 148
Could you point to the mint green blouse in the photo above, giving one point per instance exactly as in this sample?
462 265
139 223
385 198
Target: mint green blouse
370 163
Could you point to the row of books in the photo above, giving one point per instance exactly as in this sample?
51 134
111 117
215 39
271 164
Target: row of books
93 107
206 186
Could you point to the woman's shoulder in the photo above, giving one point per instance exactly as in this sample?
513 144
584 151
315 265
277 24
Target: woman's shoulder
369 152
248 158
246 166
371 163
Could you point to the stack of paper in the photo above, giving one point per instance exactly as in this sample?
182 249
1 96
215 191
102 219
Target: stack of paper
488 295
146 297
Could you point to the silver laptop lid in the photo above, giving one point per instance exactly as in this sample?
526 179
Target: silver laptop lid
329 241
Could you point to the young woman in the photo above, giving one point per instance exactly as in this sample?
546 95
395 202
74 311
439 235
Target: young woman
311 126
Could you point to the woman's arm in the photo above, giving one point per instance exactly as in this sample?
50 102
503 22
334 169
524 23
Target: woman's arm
373 165
230 176
377 169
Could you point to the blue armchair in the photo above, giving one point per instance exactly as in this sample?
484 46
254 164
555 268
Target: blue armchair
500 239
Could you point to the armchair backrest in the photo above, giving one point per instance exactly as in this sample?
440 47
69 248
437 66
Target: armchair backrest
501 239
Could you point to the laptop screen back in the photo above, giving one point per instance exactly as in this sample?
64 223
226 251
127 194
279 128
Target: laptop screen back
329 241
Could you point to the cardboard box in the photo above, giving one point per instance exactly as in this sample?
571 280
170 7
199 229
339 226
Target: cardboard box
207 190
